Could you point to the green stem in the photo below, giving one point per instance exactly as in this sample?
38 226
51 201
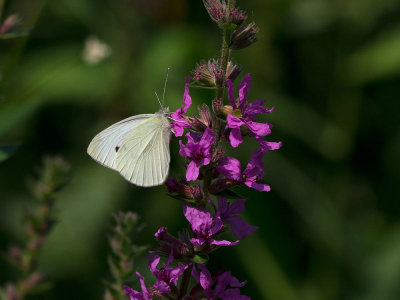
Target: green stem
219 95
185 282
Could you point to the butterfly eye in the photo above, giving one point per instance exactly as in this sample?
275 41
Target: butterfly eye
116 149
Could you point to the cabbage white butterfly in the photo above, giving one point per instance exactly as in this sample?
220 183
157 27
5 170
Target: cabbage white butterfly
136 147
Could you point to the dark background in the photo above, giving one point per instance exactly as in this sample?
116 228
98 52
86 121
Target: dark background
329 229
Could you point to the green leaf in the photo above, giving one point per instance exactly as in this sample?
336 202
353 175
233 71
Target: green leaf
7 150
200 259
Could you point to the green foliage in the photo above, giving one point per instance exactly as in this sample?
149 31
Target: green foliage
329 228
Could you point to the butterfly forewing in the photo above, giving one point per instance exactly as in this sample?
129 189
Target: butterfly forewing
105 145
143 158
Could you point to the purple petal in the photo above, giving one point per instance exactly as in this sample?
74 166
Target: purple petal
240 228
162 287
244 88
197 241
193 137
256 107
234 122
179 123
207 139
192 171
231 95
255 167
200 219
236 283
258 186
223 243
177 272
134 295
205 160
153 262
233 294
223 207
187 100
222 283
259 129
143 286
217 226
235 137
204 277
269 146
230 168
237 207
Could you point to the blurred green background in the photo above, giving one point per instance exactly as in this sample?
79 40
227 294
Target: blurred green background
329 229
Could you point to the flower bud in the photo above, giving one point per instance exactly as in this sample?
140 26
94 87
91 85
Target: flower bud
227 109
9 23
208 73
217 9
217 106
232 71
244 36
205 115
195 123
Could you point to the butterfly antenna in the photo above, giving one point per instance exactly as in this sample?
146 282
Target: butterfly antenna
165 87
158 99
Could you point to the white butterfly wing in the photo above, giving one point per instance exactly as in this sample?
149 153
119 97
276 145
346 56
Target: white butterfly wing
144 157
105 145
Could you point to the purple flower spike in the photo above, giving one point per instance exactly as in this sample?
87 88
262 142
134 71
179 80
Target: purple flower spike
198 149
231 169
226 287
179 122
204 226
244 113
229 214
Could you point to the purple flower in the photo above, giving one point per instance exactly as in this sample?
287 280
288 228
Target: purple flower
180 247
167 279
244 113
204 227
230 214
135 295
230 167
225 286
198 149
179 122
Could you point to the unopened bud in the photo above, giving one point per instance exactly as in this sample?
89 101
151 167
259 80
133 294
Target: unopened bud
232 71
9 23
217 9
217 105
205 115
244 36
208 73
195 123
227 109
